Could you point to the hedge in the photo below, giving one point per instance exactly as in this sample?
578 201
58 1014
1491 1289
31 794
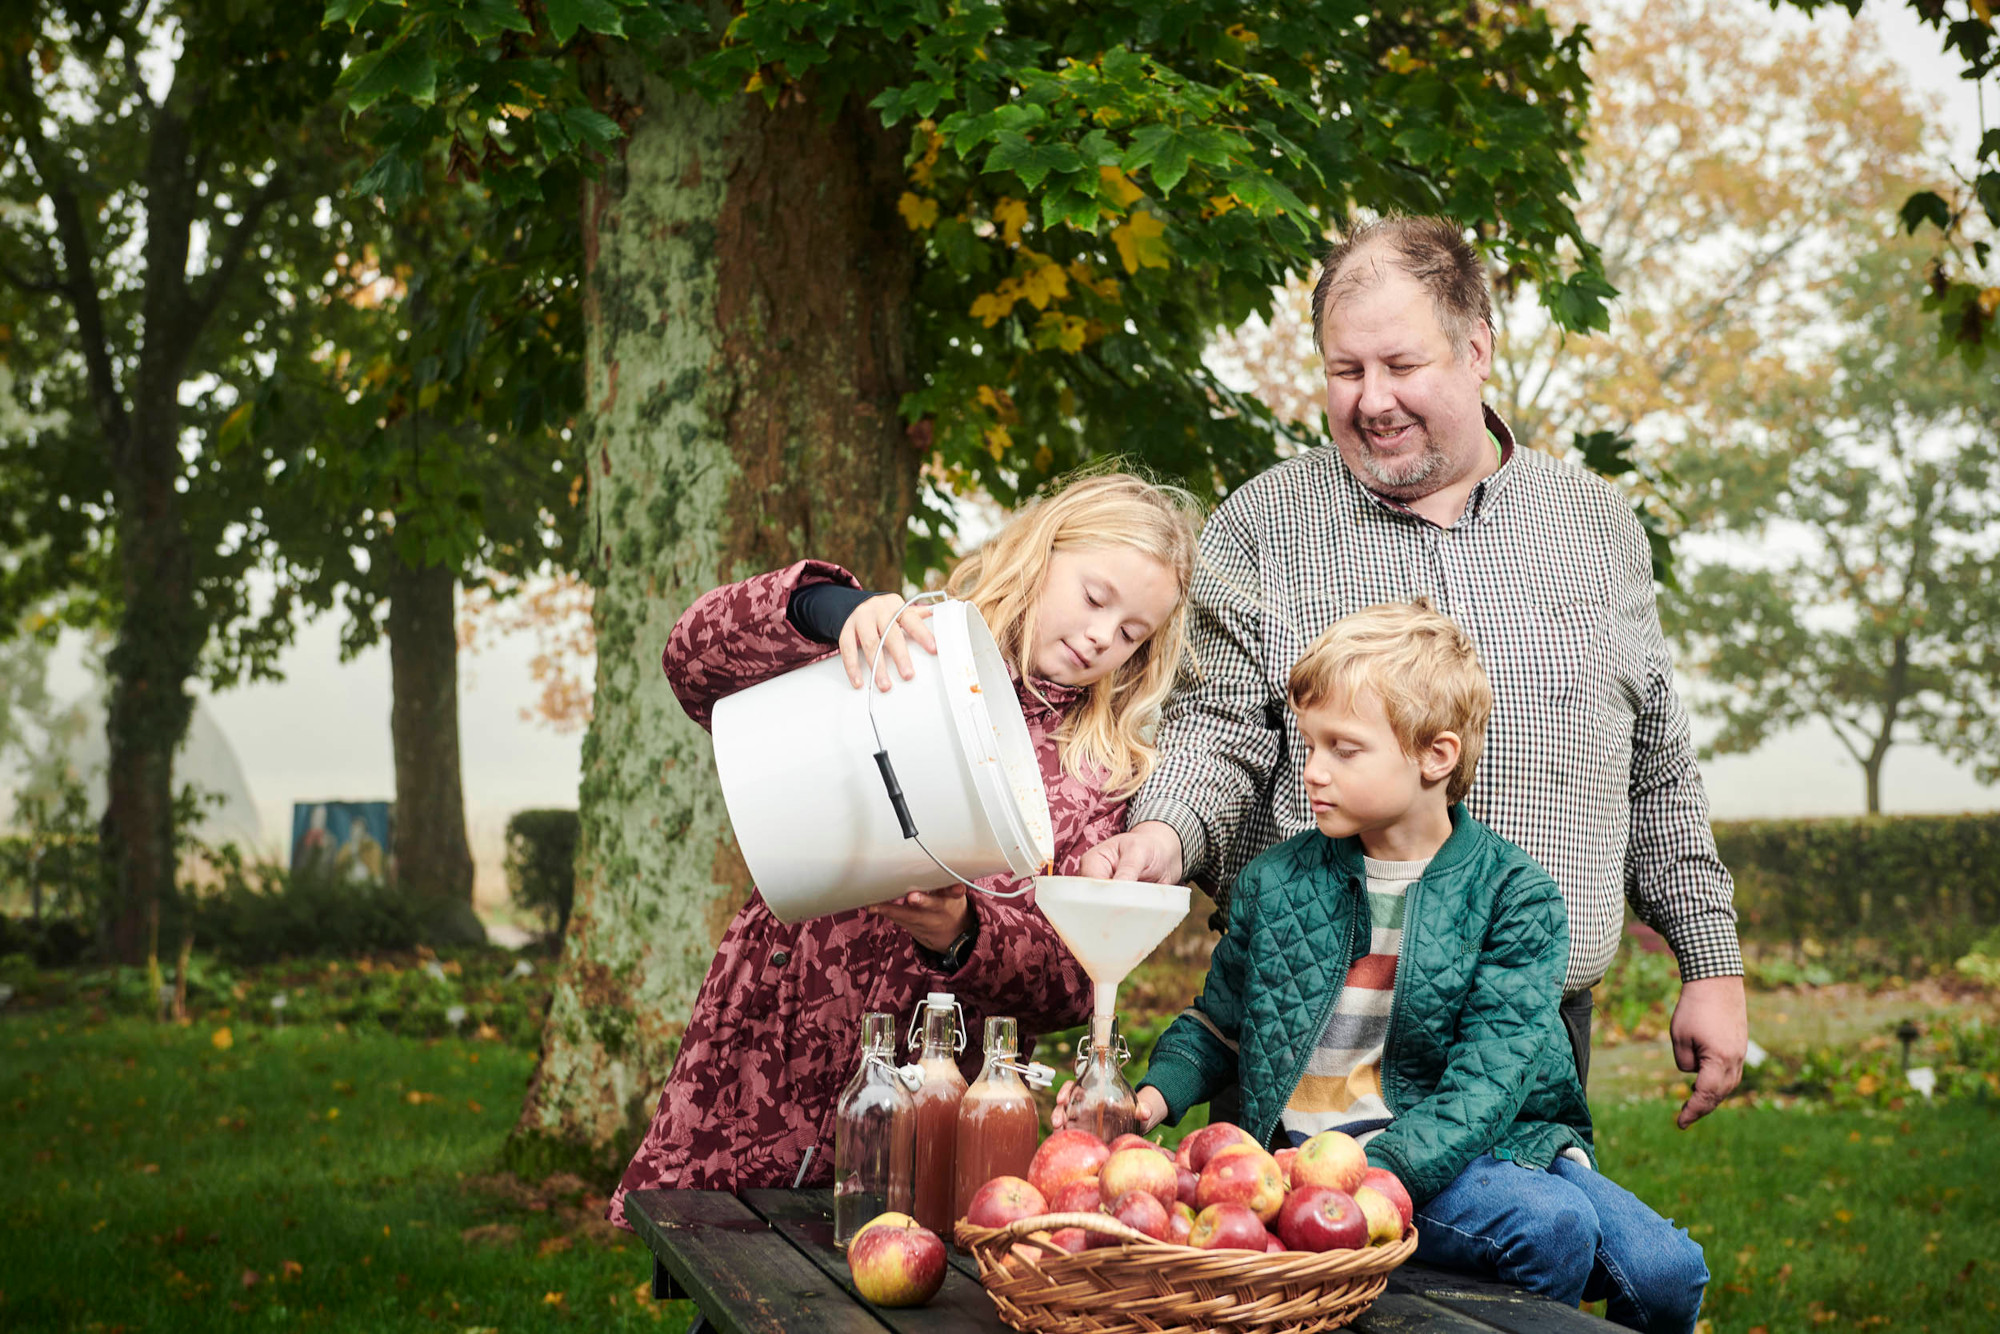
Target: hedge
1928 880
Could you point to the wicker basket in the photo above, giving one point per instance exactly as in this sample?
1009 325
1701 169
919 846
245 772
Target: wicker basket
1150 1287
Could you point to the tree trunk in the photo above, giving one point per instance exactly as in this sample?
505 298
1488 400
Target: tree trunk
747 295
433 861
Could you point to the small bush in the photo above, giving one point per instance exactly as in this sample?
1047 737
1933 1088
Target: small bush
541 865
265 912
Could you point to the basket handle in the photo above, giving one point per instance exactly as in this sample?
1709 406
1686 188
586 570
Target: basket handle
1021 1229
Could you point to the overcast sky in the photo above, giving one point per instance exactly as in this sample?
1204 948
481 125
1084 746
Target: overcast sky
323 732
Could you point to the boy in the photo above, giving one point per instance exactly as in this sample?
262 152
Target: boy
1395 974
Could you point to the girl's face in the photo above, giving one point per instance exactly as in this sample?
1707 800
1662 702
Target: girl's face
1097 605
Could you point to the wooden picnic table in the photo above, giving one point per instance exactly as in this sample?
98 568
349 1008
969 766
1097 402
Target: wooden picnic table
764 1261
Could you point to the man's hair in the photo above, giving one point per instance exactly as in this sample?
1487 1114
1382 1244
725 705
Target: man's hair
1419 663
1430 250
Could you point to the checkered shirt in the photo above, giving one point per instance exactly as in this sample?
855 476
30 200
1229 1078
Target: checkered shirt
1589 765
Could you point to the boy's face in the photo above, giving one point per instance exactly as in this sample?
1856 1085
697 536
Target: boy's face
1358 776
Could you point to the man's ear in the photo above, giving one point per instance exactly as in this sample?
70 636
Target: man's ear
1480 349
1440 757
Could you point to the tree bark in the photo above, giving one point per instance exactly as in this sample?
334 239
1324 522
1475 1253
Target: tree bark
433 860
747 293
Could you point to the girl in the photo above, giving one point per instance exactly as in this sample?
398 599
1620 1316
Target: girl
1085 592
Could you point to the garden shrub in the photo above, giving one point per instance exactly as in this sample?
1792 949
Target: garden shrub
1927 885
266 912
541 865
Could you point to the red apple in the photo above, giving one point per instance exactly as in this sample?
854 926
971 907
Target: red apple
1385 1224
1131 1141
1081 1196
1320 1218
1144 1169
1021 1255
1227 1227
1002 1200
1179 1223
890 1219
1330 1158
1185 1185
1283 1158
1140 1210
1389 1184
896 1266
1071 1239
1064 1157
1273 1246
1202 1144
1243 1174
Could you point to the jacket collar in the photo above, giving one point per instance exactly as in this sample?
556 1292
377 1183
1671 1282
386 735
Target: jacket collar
1345 854
1039 696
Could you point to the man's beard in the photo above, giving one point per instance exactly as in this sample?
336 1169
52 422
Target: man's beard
1406 478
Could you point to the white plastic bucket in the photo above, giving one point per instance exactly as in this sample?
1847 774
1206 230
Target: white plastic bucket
796 756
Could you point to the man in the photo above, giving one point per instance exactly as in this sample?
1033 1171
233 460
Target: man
1590 767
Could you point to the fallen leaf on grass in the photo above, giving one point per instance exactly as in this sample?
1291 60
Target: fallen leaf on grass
553 1246
473 1107
222 1039
552 1299
291 1268
149 1169
416 1097
250 1278
491 1234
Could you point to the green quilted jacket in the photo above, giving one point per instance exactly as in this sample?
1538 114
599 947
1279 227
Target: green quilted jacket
1476 1059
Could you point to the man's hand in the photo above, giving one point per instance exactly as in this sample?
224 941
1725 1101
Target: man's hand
1149 850
1711 1031
937 917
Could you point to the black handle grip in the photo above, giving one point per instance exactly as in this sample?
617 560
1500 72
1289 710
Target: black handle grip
895 794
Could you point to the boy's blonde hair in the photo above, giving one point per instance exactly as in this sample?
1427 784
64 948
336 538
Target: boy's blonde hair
1111 727
1419 663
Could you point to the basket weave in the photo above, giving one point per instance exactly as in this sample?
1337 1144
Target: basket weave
1150 1287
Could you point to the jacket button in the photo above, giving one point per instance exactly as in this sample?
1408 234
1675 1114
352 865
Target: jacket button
779 958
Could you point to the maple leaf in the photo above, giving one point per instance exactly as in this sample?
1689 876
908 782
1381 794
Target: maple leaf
1012 215
1119 186
1141 243
919 214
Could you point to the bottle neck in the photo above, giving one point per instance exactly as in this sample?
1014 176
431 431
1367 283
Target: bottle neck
940 1031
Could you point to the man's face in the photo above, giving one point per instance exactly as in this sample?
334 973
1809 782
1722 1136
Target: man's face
1403 403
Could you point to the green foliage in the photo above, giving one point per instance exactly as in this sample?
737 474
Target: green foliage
1636 997
257 914
1094 189
541 865
1929 882
1963 1054
1881 463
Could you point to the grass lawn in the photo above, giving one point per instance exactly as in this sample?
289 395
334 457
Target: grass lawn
315 1178
299 1178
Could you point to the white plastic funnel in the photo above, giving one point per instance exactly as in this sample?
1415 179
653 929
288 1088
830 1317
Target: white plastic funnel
1109 925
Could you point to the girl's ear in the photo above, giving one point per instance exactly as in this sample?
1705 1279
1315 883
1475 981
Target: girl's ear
1438 759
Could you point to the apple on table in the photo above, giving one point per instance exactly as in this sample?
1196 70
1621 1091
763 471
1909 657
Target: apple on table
896 1265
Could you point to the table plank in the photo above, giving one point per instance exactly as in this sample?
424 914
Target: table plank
1494 1305
746 1278
805 1218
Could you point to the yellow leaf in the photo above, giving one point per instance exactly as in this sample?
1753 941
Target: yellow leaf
919 214
1119 186
997 401
1045 284
1104 287
1984 9
333 1113
990 308
1866 1087
1058 330
291 1268
1221 204
755 82
222 1039
1989 300
1012 215
1140 243
998 442
1242 34
552 1299
1843 1215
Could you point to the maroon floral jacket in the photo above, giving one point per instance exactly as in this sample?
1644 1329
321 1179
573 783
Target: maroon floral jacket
776 1030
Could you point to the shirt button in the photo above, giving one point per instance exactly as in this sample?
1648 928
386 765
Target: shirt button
779 958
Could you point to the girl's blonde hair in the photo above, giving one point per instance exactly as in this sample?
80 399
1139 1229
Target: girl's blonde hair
1110 729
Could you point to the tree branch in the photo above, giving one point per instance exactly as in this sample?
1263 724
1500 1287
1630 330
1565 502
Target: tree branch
79 276
215 283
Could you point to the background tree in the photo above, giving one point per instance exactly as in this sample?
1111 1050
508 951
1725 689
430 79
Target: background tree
163 167
840 245
1869 491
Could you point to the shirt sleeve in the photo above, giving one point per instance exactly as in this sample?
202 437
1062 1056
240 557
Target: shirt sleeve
1216 751
820 611
739 634
1674 879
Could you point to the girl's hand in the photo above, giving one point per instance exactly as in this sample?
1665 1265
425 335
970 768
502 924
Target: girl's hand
865 629
934 918
1152 1107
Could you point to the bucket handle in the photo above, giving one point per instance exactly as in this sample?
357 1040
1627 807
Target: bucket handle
888 770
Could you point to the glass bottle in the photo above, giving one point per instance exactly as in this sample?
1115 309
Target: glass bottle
874 1135
998 1126
1103 1102
937 1111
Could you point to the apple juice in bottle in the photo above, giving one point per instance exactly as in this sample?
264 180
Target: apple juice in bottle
937 1112
874 1135
998 1126
1103 1102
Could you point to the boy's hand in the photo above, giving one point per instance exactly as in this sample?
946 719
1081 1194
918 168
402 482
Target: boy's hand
1149 851
1711 1032
866 627
1152 1107
934 918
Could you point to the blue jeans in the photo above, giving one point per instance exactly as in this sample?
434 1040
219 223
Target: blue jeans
1569 1233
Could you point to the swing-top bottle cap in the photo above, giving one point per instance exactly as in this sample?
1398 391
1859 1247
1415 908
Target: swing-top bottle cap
940 1000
